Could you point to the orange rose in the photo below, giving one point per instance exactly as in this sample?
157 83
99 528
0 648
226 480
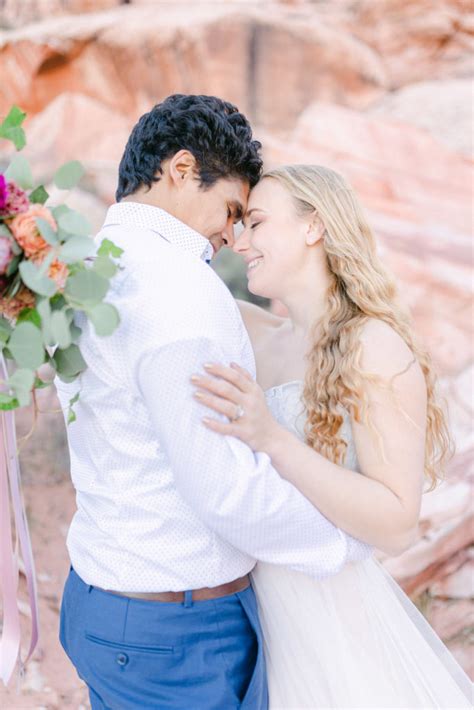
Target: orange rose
25 231
12 307
58 271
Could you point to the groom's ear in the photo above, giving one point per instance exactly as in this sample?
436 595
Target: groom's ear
182 167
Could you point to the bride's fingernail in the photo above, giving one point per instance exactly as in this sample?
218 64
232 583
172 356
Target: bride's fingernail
198 395
195 378
208 366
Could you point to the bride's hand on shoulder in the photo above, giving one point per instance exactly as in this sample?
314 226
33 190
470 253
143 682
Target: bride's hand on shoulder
231 391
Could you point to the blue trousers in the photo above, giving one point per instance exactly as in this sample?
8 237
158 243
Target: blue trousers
144 655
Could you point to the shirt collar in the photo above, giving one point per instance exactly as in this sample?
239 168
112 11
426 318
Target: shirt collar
137 214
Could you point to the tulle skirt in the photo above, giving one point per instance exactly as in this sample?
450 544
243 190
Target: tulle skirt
354 640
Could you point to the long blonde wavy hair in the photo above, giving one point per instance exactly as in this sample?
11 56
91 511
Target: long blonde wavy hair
360 289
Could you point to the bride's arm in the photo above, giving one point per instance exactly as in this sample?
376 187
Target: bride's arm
380 507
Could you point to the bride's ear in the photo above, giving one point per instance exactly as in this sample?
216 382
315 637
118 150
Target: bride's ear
315 231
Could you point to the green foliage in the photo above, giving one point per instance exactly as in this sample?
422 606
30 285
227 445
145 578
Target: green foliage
20 172
76 249
105 318
69 363
39 196
68 175
86 289
46 231
73 276
26 346
11 128
71 222
32 277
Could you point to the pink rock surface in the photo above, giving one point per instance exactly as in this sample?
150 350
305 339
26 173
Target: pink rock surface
380 91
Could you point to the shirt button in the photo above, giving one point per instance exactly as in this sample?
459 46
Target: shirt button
122 659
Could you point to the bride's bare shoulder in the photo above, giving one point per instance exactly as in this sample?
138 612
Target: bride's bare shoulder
257 319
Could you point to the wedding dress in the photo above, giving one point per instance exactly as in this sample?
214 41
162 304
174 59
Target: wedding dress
353 640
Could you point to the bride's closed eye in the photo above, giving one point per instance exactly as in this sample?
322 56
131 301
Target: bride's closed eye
254 225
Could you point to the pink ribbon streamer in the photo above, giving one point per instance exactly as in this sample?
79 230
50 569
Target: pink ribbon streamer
10 487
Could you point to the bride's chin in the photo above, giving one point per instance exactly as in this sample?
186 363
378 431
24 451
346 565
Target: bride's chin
262 292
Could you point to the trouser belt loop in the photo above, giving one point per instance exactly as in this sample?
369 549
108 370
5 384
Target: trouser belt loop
188 599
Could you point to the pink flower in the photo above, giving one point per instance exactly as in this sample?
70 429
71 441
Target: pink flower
6 254
13 200
3 192
25 231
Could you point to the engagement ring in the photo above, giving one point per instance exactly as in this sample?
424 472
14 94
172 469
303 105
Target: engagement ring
238 414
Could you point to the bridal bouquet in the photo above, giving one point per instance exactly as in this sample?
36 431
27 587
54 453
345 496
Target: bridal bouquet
49 268
46 274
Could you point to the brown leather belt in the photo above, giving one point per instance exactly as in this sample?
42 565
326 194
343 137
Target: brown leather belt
198 595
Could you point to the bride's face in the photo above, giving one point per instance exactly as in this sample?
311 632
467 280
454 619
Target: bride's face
273 242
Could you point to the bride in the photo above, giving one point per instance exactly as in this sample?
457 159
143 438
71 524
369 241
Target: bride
345 408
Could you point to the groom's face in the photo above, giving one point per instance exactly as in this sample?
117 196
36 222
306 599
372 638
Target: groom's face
214 211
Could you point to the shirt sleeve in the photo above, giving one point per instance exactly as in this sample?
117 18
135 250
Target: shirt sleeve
235 492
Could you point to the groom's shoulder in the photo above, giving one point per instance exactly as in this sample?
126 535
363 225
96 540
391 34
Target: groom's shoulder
177 291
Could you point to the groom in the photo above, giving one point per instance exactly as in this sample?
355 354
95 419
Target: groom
158 611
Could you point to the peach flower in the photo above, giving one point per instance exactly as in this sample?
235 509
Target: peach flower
12 307
58 271
25 231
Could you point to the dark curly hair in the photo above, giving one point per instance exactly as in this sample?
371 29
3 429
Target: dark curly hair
213 130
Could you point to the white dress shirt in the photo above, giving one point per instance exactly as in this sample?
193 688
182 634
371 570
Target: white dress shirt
163 503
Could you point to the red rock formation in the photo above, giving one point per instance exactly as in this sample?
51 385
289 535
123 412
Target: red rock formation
380 91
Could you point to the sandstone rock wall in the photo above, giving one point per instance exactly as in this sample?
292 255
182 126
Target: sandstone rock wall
379 89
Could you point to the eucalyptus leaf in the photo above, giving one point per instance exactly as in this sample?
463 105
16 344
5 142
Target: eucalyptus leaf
59 210
40 384
11 128
68 175
13 265
44 309
4 231
104 317
38 196
26 346
32 277
16 248
30 315
46 263
74 223
67 378
6 329
76 249
57 302
86 288
60 329
69 363
20 172
46 231
108 248
104 266
21 382
8 402
71 416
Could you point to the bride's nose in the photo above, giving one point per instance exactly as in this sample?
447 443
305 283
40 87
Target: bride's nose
242 242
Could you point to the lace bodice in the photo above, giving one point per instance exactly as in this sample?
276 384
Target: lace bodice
285 403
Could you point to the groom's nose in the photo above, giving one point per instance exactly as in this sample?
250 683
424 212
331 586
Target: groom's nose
228 236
